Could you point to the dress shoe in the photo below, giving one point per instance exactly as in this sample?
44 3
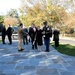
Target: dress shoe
10 43
4 43
35 47
46 50
24 43
22 49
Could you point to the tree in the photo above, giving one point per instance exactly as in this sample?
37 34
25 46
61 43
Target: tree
1 18
12 13
39 11
12 18
11 21
1 22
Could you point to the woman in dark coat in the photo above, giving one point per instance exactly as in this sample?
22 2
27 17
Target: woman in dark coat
39 38
3 34
56 37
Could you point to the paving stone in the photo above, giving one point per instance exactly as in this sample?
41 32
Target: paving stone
62 70
40 56
2 63
67 58
71 68
55 66
66 64
12 62
22 63
67 73
19 67
42 67
2 74
32 72
7 67
58 61
47 72
34 62
10 72
29 67
72 63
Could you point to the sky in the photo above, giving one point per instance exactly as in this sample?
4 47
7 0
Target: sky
6 5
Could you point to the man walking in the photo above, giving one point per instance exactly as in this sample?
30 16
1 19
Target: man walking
21 33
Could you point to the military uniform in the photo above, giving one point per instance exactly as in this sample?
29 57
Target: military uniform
47 33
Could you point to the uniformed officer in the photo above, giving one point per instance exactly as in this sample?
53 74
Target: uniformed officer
47 33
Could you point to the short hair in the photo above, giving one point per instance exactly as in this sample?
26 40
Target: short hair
45 23
21 24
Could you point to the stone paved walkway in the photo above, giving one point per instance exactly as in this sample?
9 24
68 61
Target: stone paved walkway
34 62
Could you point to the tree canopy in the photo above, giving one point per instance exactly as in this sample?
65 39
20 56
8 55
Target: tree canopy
56 12
11 18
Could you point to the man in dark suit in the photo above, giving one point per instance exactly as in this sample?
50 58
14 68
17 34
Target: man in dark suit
3 34
9 34
32 34
47 33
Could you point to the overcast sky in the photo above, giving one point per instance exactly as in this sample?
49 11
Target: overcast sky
6 5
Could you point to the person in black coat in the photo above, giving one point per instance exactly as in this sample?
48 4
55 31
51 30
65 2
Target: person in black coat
3 34
32 34
39 38
56 36
25 39
9 34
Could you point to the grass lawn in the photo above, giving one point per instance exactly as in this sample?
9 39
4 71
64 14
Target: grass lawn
0 40
65 49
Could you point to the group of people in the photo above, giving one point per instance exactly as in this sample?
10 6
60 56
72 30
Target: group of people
37 36
7 32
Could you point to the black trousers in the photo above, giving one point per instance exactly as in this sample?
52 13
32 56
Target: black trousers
3 39
25 40
10 39
34 44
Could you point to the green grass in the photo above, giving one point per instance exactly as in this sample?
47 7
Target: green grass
65 49
0 40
